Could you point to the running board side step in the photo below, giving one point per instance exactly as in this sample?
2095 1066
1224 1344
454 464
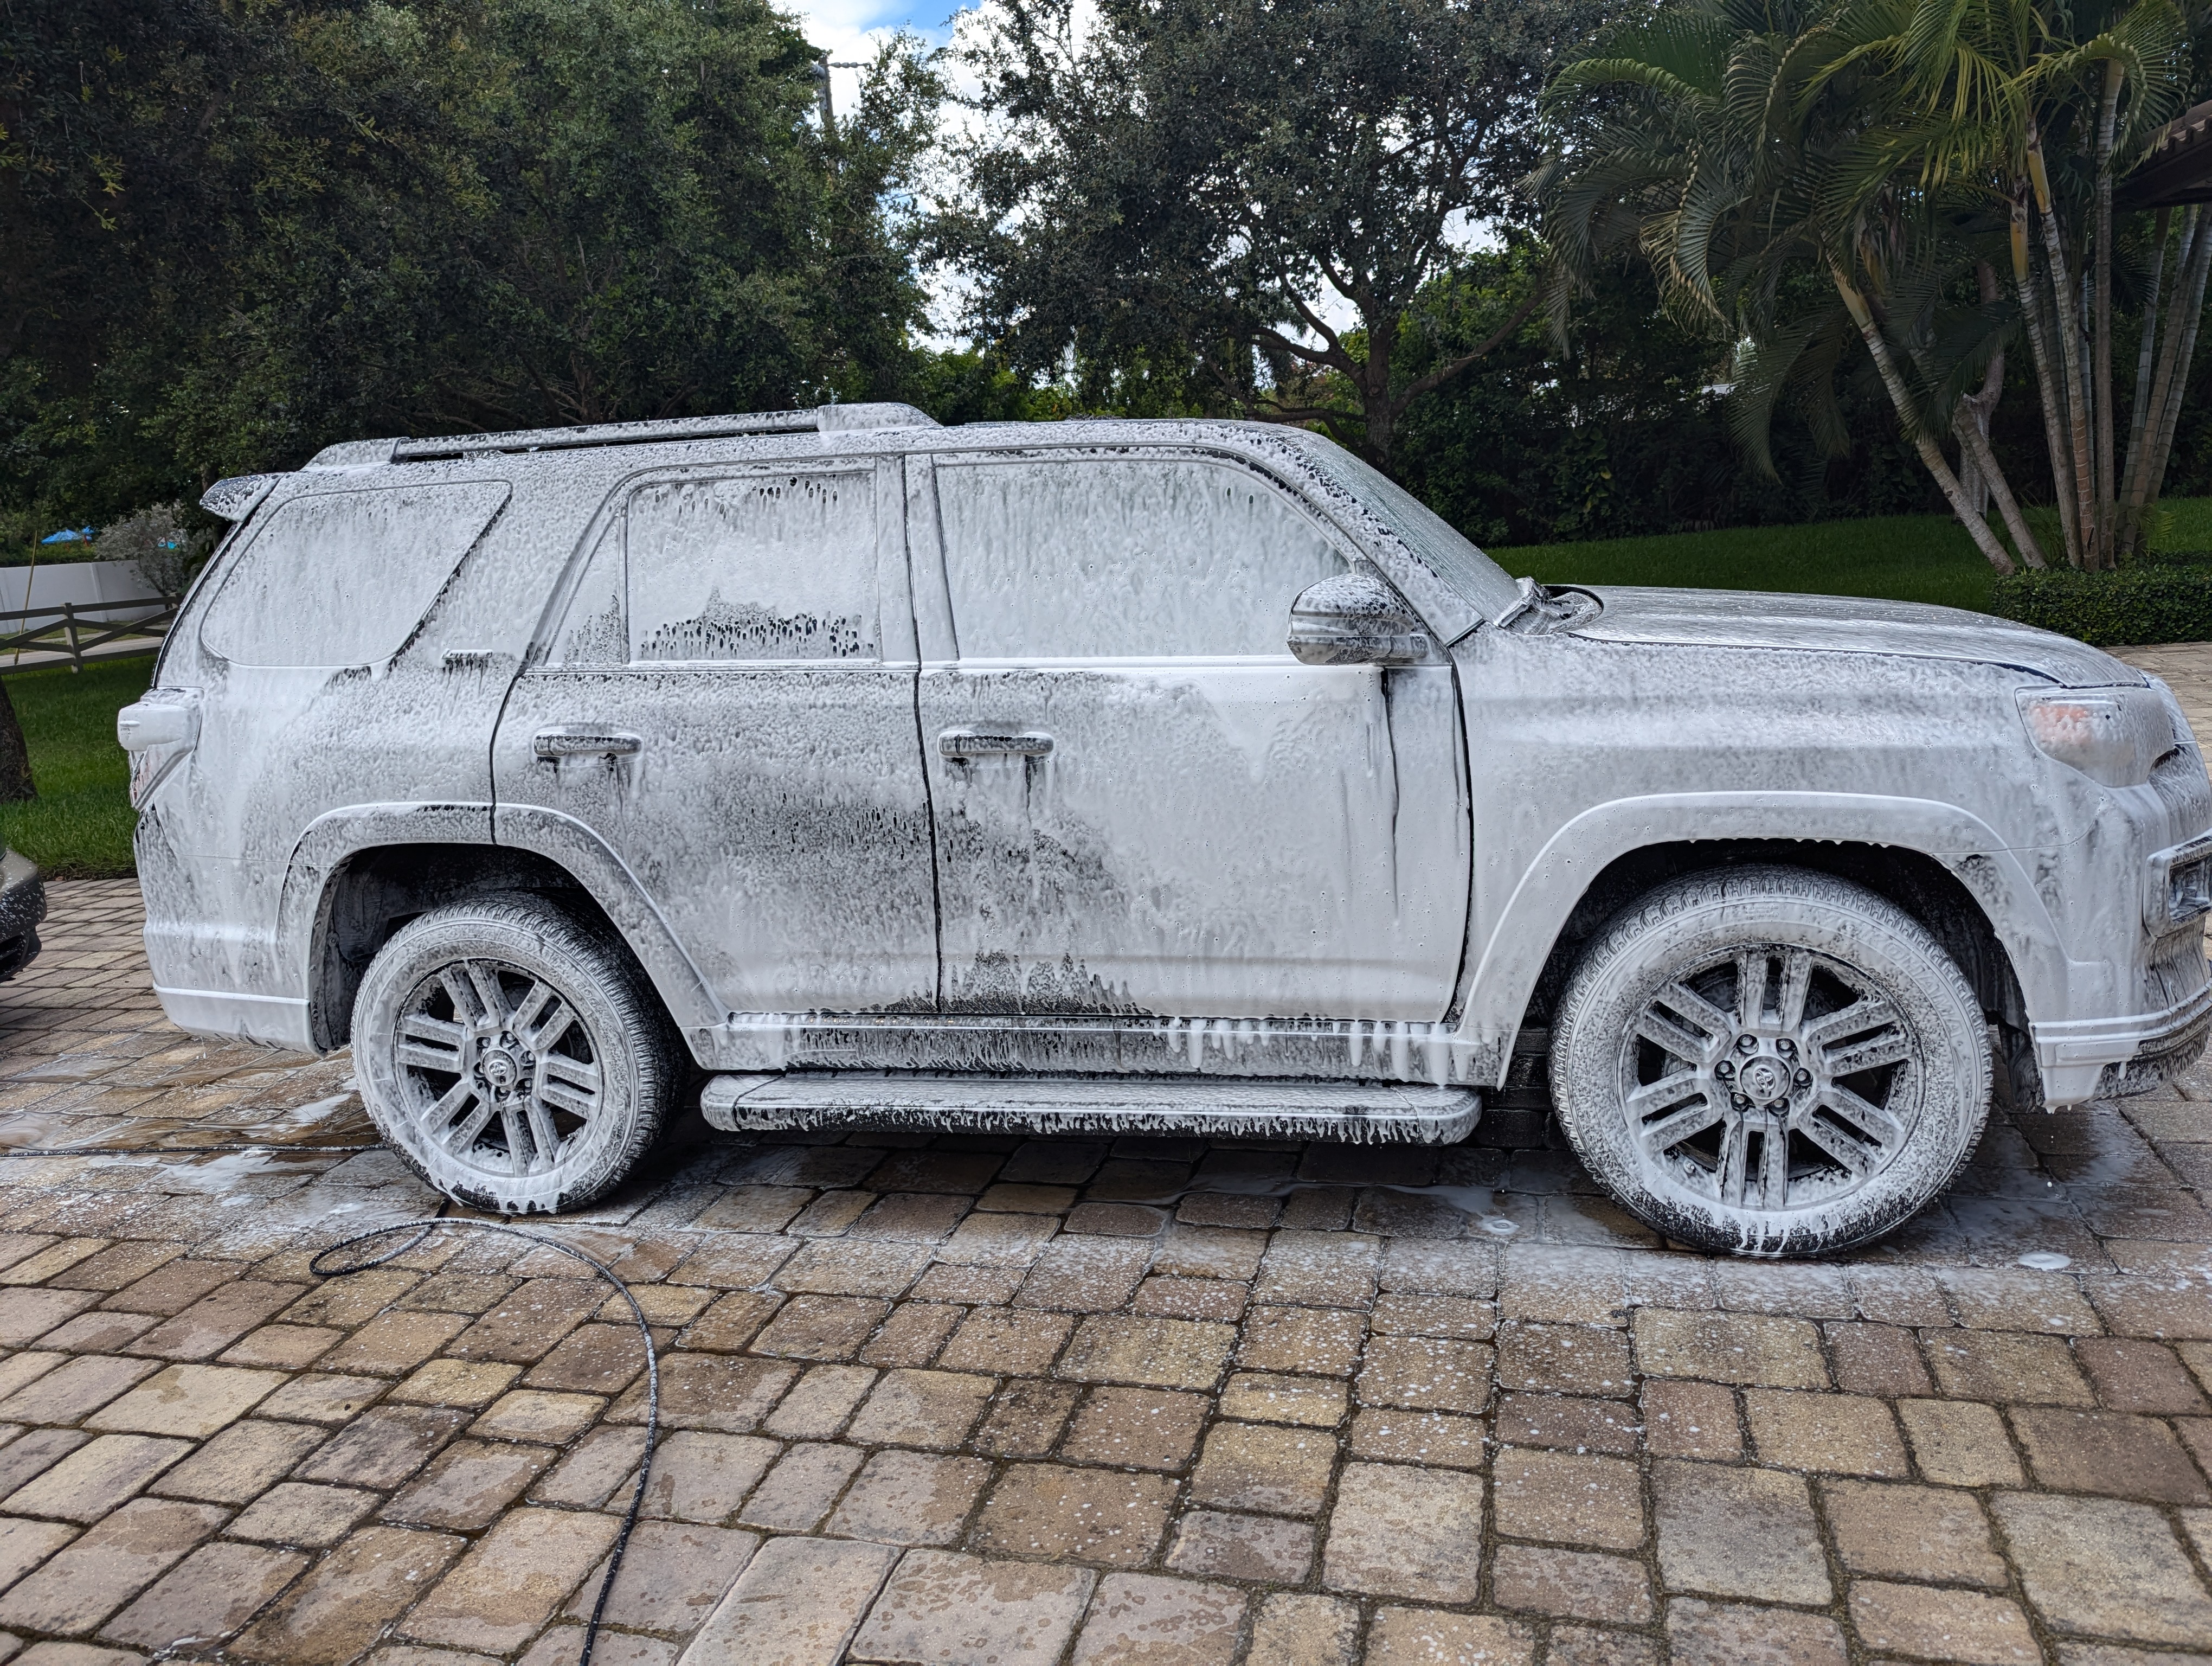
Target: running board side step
1361 1112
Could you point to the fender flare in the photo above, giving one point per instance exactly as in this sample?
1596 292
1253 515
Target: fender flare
1509 961
591 862
337 836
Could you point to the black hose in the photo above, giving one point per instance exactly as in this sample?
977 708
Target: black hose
422 1229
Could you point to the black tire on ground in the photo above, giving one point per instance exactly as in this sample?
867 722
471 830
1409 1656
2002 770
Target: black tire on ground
1769 1061
513 1056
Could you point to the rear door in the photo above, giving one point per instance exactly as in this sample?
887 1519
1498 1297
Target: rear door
728 705
1143 804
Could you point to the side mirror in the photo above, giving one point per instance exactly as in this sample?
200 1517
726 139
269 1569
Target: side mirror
1355 619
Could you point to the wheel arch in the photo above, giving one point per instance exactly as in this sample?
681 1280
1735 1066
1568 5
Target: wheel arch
357 876
1942 865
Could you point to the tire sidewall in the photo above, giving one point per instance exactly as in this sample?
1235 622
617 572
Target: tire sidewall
1695 921
584 971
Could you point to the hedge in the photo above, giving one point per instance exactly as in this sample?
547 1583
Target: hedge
2161 598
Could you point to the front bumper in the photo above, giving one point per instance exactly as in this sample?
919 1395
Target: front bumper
22 906
2111 1058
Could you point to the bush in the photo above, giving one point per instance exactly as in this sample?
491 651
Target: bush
2161 598
165 551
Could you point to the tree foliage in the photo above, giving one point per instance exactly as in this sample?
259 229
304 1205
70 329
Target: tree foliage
1161 192
247 229
1622 426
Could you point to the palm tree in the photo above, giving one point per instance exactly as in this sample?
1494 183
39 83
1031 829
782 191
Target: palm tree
1895 152
1984 85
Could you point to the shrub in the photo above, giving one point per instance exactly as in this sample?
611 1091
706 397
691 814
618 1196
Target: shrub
165 551
2161 598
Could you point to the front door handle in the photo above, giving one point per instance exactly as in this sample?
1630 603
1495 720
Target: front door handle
585 740
994 743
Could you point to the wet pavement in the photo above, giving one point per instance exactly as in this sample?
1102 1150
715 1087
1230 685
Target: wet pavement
962 1398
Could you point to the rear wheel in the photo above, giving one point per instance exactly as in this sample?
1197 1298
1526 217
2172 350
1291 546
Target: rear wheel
512 1056
1769 1061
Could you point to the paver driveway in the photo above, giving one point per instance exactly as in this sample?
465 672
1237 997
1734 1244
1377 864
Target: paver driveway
962 1399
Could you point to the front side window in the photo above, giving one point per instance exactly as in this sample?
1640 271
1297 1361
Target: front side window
1061 558
780 568
338 578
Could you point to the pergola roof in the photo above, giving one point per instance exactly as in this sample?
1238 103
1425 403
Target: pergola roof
2180 166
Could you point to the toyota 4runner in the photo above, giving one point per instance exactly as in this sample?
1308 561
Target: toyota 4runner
1131 775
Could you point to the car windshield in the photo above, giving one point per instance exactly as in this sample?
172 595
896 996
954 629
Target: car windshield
1480 582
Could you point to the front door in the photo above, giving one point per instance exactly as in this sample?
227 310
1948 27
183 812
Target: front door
728 704
1143 804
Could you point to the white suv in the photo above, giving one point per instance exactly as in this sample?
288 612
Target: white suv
1106 775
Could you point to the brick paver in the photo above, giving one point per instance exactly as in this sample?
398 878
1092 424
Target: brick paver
963 1398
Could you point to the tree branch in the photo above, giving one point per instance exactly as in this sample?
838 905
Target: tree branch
1331 419
1333 357
1443 373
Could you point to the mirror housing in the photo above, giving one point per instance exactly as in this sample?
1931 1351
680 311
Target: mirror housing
1355 619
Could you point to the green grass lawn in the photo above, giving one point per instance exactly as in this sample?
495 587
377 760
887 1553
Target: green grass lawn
79 826
1910 558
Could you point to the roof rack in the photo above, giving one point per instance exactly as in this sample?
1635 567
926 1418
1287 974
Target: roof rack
824 419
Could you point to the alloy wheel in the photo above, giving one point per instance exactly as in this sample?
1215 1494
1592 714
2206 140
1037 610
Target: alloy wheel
499 1068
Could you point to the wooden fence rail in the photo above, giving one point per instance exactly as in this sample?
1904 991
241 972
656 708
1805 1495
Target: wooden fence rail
71 634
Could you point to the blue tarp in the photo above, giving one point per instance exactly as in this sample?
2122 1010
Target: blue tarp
83 534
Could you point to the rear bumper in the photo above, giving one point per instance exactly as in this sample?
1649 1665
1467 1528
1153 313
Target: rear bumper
271 1020
22 906
2100 1058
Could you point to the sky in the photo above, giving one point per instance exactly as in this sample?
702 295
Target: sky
849 30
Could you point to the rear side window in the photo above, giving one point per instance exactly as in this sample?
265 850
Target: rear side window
1061 558
774 566
343 578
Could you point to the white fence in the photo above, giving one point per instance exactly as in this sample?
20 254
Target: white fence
107 590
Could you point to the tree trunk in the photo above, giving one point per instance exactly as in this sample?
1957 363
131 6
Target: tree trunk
2143 487
2130 513
2068 345
1930 453
16 786
2100 368
1981 407
1974 446
1375 392
2189 293
2052 393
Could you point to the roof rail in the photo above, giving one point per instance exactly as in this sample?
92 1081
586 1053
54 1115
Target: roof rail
825 419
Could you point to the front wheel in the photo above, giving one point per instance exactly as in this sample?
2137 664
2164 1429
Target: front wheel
512 1056
1767 1061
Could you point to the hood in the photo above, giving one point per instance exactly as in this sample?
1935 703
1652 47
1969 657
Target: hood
1847 625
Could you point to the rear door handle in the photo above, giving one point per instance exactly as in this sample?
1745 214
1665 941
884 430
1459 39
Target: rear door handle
583 740
994 743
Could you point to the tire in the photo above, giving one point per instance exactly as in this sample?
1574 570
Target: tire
548 1102
1829 1114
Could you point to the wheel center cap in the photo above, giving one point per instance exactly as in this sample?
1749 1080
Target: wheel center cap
1764 1079
501 1069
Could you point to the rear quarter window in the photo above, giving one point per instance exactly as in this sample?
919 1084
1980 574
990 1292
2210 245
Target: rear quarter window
343 578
